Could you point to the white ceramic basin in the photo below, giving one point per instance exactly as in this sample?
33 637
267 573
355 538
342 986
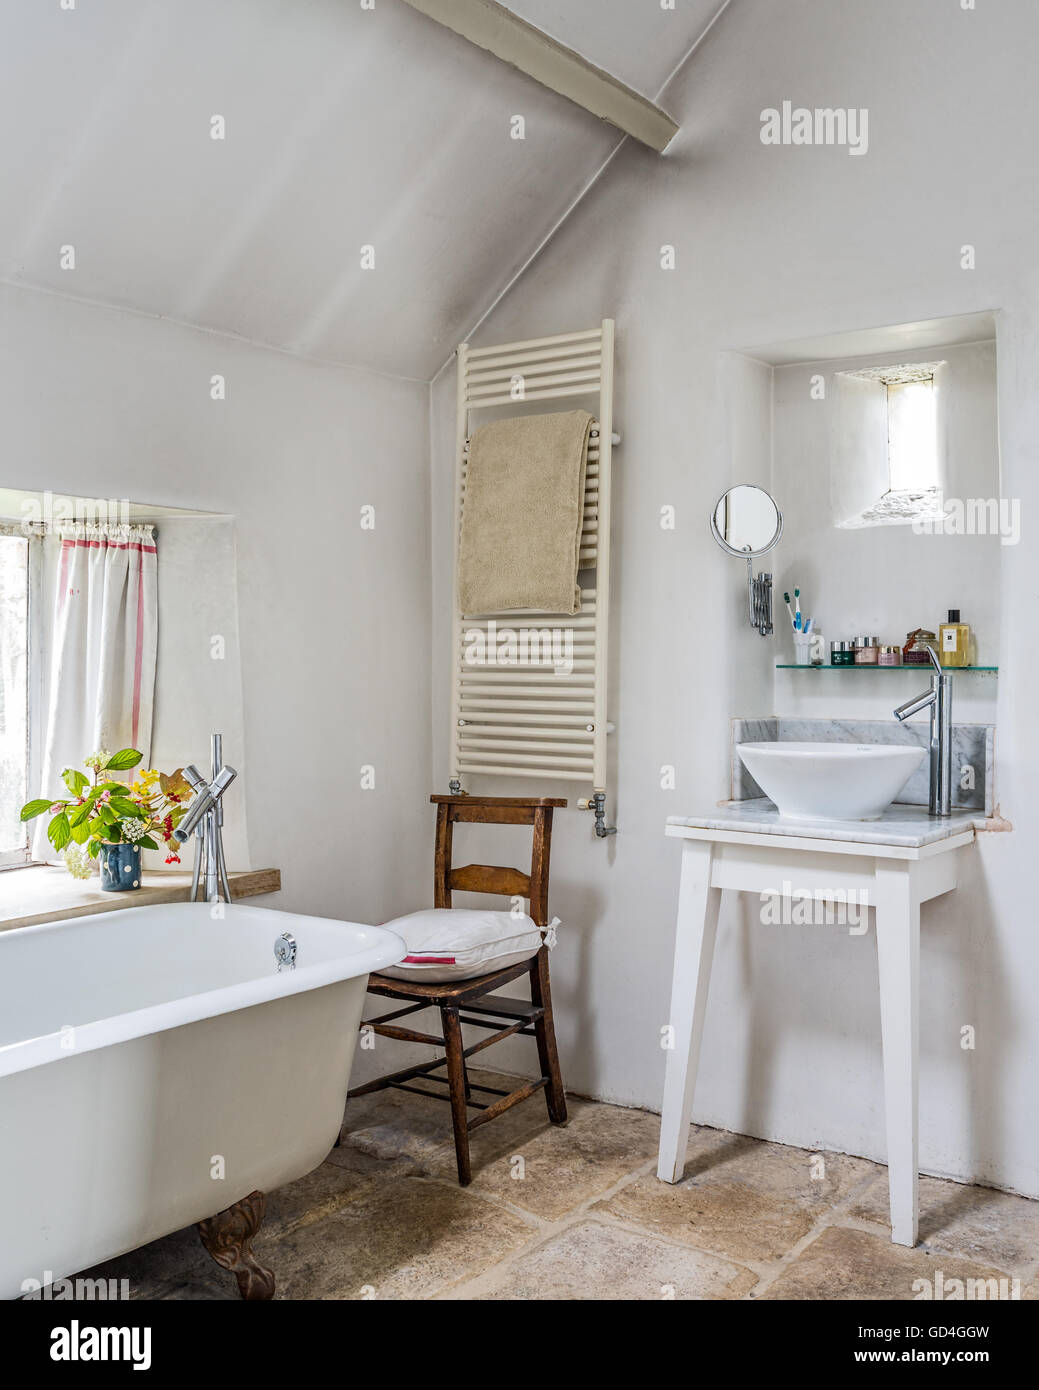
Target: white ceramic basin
830 781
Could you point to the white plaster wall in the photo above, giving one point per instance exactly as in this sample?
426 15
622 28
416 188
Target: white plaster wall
772 244
857 474
196 693
333 621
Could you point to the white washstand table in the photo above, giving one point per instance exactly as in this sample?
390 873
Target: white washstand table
901 861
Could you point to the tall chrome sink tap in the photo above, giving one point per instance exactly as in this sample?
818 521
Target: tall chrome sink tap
939 700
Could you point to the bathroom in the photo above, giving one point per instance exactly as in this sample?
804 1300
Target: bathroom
245 329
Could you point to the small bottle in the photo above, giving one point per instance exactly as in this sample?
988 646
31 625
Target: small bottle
954 641
841 654
890 656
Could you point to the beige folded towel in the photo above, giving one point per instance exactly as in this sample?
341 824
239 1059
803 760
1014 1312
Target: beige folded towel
522 516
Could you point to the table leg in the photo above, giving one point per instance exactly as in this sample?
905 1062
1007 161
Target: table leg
898 955
697 927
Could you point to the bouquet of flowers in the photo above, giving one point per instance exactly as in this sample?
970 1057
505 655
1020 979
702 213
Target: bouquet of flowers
101 810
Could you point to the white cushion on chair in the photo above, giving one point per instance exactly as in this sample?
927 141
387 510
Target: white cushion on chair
459 943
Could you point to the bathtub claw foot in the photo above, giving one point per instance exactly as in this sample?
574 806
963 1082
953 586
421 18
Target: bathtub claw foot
228 1238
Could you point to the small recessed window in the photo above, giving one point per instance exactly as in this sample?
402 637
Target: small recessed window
906 398
912 442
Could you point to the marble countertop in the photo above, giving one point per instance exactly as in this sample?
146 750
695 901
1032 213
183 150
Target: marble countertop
909 827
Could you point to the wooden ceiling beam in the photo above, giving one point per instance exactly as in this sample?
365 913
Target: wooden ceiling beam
491 26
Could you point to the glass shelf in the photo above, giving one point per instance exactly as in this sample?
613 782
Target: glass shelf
920 669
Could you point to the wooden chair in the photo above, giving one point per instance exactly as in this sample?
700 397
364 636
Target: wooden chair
466 1001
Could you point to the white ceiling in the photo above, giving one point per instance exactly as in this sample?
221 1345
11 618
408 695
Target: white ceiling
345 127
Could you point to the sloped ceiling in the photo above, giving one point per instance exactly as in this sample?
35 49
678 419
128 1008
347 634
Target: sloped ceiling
345 127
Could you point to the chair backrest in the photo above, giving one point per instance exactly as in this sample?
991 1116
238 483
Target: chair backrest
494 878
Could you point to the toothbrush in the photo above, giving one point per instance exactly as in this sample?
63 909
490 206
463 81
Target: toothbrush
808 625
786 598
797 601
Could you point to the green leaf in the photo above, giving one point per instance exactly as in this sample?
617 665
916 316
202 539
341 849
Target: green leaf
93 848
32 809
126 757
58 831
79 814
124 807
80 832
75 781
146 842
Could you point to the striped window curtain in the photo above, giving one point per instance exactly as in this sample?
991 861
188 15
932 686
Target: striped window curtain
101 655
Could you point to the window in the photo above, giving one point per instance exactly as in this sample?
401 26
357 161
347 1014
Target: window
19 560
912 442
903 449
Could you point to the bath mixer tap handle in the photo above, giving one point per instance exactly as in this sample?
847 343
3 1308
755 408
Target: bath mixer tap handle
206 797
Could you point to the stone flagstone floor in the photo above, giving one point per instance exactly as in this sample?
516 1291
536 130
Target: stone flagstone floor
576 1212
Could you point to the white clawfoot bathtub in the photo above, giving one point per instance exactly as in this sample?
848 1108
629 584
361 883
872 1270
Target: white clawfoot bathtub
155 1069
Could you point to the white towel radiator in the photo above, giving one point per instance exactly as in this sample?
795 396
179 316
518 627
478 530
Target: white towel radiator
543 714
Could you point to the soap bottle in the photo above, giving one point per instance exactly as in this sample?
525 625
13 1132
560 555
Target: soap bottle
954 641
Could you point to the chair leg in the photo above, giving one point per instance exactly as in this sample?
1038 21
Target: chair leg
545 1032
458 1082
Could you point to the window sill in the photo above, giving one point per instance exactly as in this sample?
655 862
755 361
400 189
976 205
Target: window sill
47 893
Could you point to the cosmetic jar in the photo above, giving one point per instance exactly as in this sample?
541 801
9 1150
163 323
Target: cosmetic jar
841 654
867 651
890 656
915 651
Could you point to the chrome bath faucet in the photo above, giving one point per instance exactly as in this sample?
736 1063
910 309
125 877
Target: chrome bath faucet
205 819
